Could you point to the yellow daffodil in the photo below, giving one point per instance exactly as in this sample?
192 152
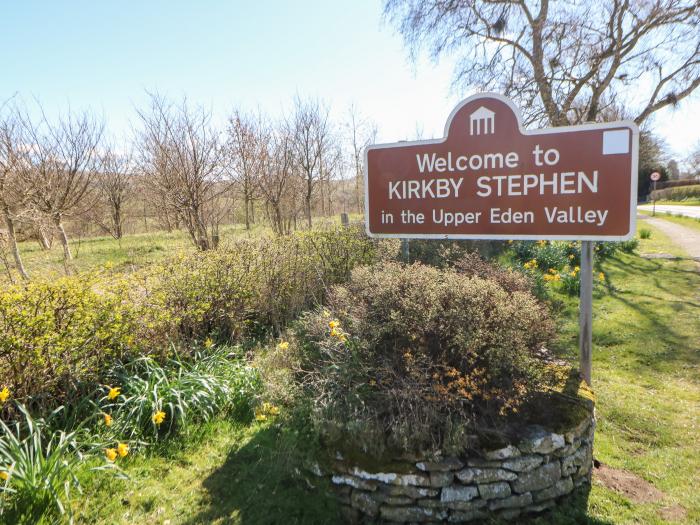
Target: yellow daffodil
572 274
334 332
259 416
4 394
333 324
372 382
114 392
158 417
4 475
108 420
571 257
552 271
273 411
577 269
208 343
110 454
283 345
326 313
122 449
601 276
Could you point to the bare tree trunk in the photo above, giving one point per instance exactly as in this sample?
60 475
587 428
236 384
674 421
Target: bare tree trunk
43 240
13 245
67 256
247 217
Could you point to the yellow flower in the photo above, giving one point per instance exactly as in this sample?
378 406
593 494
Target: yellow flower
114 392
548 277
542 243
110 454
326 313
283 345
108 420
122 449
273 411
601 276
576 269
334 332
259 416
571 257
4 394
557 277
208 343
158 417
4 475
552 271
372 382
572 274
333 324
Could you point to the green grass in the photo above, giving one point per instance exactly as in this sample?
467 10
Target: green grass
646 361
685 202
689 222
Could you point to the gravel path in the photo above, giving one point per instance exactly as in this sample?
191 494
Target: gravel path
686 238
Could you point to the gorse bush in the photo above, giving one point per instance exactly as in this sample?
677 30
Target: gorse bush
410 357
58 338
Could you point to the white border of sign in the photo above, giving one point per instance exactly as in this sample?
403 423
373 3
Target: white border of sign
564 129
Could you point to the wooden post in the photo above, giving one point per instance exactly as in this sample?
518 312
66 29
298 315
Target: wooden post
344 220
404 250
585 337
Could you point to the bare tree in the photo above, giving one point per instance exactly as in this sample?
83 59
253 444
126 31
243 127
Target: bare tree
277 180
114 184
13 196
181 153
62 160
245 150
362 134
563 62
310 132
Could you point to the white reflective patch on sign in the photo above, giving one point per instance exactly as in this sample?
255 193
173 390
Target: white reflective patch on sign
615 142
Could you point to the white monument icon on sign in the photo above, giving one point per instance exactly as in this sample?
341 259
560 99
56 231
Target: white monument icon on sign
481 116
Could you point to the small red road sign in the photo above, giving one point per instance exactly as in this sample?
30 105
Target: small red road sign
655 176
488 178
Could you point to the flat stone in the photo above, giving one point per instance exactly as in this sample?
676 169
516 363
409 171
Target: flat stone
467 505
458 493
511 502
572 463
568 449
441 479
523 463
414 480
539 507
509 514
500 489
483 463
540 441
399 500
384 477
540 478
502 453
461 516
431 503
411 492
485 475
404 514
364 502
354 482
443 465
561 487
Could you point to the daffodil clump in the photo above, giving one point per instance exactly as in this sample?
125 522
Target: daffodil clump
265 411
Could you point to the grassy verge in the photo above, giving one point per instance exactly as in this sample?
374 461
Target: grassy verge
686 202
688 222
645 373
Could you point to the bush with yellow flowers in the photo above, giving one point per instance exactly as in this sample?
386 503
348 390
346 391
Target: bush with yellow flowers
411 357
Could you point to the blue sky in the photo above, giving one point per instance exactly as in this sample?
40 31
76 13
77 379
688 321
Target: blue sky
105 54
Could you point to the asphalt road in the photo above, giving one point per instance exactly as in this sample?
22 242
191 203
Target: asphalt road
688 211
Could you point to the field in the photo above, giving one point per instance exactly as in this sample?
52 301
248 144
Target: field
645 373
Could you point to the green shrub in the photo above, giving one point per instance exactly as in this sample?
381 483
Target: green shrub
153 400
417 356
56 335
645 233
443 254
545 254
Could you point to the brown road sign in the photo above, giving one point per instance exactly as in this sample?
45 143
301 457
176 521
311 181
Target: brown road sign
491 179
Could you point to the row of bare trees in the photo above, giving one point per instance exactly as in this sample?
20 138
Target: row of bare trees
60 175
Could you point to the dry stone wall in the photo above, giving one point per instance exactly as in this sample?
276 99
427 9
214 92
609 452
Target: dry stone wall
528 477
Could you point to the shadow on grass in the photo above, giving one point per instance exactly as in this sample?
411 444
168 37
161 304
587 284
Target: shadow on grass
262 482
573 510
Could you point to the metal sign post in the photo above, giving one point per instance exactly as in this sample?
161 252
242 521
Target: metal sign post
654 177
585 317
